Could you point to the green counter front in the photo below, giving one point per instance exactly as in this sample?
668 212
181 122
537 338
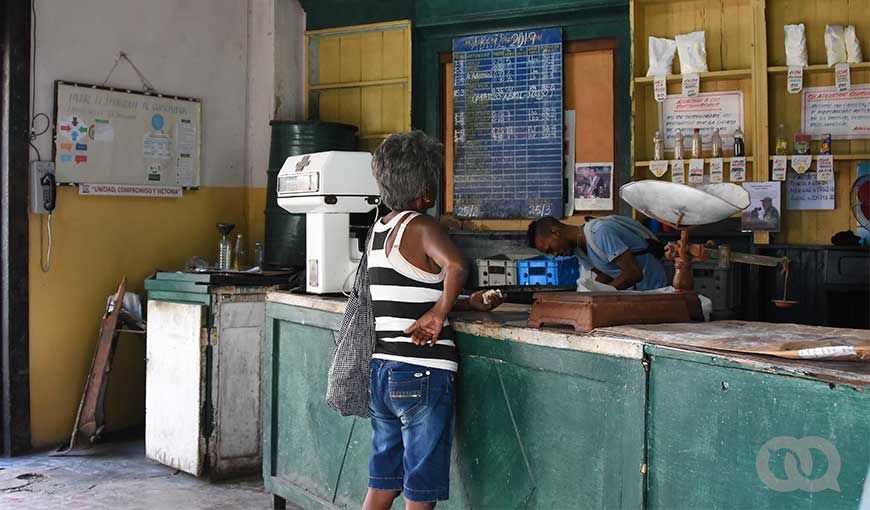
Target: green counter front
550 419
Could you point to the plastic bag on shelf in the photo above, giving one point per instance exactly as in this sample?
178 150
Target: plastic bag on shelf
693 52
853 47
835 44
661 56
795 46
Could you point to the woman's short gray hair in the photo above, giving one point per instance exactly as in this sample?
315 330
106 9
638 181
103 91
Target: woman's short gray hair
406 166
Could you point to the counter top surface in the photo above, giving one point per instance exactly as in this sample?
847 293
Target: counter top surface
727 339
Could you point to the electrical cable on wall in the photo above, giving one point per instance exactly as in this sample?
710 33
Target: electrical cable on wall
44 256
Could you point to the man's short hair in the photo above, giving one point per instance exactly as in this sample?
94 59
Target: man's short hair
540 226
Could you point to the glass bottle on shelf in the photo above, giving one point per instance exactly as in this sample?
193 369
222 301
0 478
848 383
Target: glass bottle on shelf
739 146
678 145
258 255
697 148
658 146
781 142
716 141
224 249
238 253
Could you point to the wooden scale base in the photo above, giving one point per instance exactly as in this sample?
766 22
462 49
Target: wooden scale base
586 311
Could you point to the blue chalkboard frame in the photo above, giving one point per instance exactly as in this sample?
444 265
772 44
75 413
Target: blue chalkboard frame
508 126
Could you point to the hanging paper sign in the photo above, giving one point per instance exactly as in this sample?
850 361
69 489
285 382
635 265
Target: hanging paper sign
795 79
843 115
678 171
738 169
660 88
842 78
825 168
710 112
658 168
806 193
691 84
716 165
780 166
801 164
131 190
696 171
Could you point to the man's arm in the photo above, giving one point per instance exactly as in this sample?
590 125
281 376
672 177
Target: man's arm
630 272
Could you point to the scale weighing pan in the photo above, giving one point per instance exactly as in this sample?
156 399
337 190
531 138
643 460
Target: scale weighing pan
681 205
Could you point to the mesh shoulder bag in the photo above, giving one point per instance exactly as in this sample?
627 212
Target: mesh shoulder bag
347 386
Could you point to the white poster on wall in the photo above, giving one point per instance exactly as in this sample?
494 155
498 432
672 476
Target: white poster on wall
804 192
843 115
708 111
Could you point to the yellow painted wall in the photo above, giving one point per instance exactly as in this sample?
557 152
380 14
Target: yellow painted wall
97 240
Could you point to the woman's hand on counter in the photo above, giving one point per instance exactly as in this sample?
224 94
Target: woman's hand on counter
477 303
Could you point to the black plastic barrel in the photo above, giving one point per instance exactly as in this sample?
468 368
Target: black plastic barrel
284 244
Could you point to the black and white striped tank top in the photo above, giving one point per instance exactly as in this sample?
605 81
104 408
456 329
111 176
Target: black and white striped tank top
401 294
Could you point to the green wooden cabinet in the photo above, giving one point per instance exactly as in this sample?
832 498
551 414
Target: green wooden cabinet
537 428
558 428
709 419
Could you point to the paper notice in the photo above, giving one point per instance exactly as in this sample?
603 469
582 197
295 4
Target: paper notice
842 78
795 79
186 134
716 165
103 131
696 171
660 88
691 85
825 168
678 171
780 166
157 146
155 172
802 163
184 170
738 169
658 168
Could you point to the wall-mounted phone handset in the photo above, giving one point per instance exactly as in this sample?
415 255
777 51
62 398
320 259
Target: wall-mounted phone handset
43 187
49 192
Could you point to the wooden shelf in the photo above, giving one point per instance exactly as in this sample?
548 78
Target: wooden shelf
841 157
346 85
706 161
818 68
711 75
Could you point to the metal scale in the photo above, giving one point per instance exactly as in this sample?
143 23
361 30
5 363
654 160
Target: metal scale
681 207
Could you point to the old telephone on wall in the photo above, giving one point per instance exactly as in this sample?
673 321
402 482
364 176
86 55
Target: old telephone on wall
43 199
43 187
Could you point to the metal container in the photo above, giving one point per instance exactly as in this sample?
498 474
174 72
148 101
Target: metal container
285 233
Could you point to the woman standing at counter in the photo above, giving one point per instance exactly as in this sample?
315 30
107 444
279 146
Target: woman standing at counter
415 275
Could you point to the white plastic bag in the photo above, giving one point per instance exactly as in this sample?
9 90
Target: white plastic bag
795 46
693 52
835 44
661 56
853 47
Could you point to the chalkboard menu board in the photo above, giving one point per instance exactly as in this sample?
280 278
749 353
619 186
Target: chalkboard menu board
507 125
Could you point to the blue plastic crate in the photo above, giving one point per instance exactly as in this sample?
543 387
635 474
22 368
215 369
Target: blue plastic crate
548 271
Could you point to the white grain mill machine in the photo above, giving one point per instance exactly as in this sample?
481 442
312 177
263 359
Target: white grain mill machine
328 187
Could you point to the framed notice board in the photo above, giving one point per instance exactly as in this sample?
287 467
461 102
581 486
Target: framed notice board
110 136
507 125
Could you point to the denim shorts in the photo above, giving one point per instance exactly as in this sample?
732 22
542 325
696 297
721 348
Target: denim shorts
411 411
